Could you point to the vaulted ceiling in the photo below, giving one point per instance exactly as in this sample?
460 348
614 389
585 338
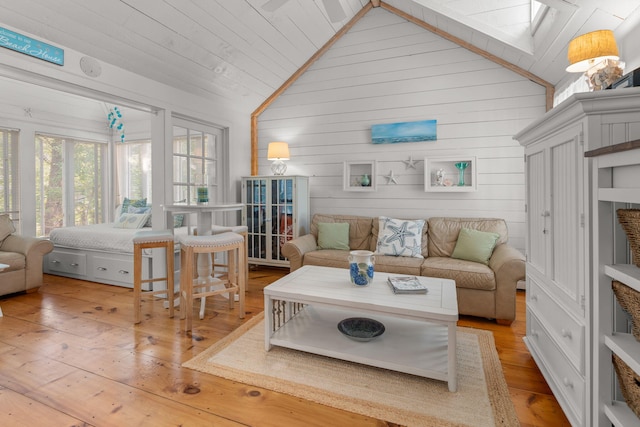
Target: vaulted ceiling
241 51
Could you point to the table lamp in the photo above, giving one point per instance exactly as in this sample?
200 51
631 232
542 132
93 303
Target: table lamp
596 55
278 152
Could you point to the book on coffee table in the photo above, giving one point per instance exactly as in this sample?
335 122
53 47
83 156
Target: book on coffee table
406 285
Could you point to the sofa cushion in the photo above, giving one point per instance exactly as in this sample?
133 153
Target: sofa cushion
14 260
443 232
400 237
333 235
398 264
329 258
467 274
6 227
474 245
359 229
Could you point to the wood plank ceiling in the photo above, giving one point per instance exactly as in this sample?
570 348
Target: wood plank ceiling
240 53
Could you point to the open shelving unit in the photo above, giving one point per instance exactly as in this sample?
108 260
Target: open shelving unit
616 185
354 171
450 181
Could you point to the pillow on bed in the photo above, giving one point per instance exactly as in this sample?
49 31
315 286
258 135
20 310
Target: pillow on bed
142 210
131 220
137 203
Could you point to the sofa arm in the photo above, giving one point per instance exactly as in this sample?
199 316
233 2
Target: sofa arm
295 249
508 265
34 250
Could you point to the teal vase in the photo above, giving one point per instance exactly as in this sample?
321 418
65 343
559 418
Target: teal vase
365 181
461 166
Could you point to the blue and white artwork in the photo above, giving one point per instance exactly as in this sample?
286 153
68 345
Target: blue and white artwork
392 133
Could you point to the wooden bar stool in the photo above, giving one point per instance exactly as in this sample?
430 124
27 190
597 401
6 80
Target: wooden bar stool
242 230
190 246
152 239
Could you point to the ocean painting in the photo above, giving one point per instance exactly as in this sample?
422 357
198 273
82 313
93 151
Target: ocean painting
392 133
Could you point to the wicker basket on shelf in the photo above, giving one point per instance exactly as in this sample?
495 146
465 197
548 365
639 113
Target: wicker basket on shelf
629 300
629 384
630 221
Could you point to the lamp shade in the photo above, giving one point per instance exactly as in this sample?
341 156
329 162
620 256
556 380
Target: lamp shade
590 48
278 151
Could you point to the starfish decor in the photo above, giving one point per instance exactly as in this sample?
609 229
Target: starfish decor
410 164
391 178
400 233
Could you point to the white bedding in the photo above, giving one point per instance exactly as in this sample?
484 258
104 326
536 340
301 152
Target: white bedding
101 237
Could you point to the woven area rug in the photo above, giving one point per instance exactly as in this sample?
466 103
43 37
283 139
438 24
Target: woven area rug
482 398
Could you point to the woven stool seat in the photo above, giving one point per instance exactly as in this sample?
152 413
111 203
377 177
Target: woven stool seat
222 239
234 283
240 229
152 239
153 236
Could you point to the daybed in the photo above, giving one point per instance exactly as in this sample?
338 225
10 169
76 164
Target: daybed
484 289
23 255
103 253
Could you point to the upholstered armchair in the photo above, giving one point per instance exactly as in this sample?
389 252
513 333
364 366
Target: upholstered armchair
22 258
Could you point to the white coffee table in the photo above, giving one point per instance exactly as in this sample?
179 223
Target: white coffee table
303 309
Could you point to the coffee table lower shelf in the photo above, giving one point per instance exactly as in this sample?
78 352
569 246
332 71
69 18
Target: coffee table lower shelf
407 345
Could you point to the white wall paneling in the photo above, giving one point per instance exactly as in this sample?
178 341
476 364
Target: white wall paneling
387 70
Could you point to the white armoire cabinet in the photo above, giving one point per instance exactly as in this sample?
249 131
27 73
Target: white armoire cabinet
276 210
559 237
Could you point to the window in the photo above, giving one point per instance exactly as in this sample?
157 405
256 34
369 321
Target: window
196 150
133 170
9 173
70 182
538 12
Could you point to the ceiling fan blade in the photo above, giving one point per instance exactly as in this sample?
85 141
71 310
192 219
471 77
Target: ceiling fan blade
273 5
334 10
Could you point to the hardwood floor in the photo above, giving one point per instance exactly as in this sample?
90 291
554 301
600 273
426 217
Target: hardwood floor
71 356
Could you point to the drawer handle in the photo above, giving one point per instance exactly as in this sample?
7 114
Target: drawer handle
55 261
567 383
74 264
566 334
102 269
123 272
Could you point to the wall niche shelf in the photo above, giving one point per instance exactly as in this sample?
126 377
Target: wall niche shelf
354 176
441 174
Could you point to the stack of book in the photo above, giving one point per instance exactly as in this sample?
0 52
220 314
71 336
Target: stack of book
407 285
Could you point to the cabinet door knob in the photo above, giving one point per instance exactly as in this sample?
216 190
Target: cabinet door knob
567 383
545 213
534 297
566 334
534 333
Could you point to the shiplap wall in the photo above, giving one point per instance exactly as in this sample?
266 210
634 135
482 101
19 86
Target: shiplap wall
386 70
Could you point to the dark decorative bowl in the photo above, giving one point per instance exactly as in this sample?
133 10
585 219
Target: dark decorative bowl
361 328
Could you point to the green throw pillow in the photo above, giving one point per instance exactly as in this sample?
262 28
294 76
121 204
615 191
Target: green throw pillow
474 245
333 235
